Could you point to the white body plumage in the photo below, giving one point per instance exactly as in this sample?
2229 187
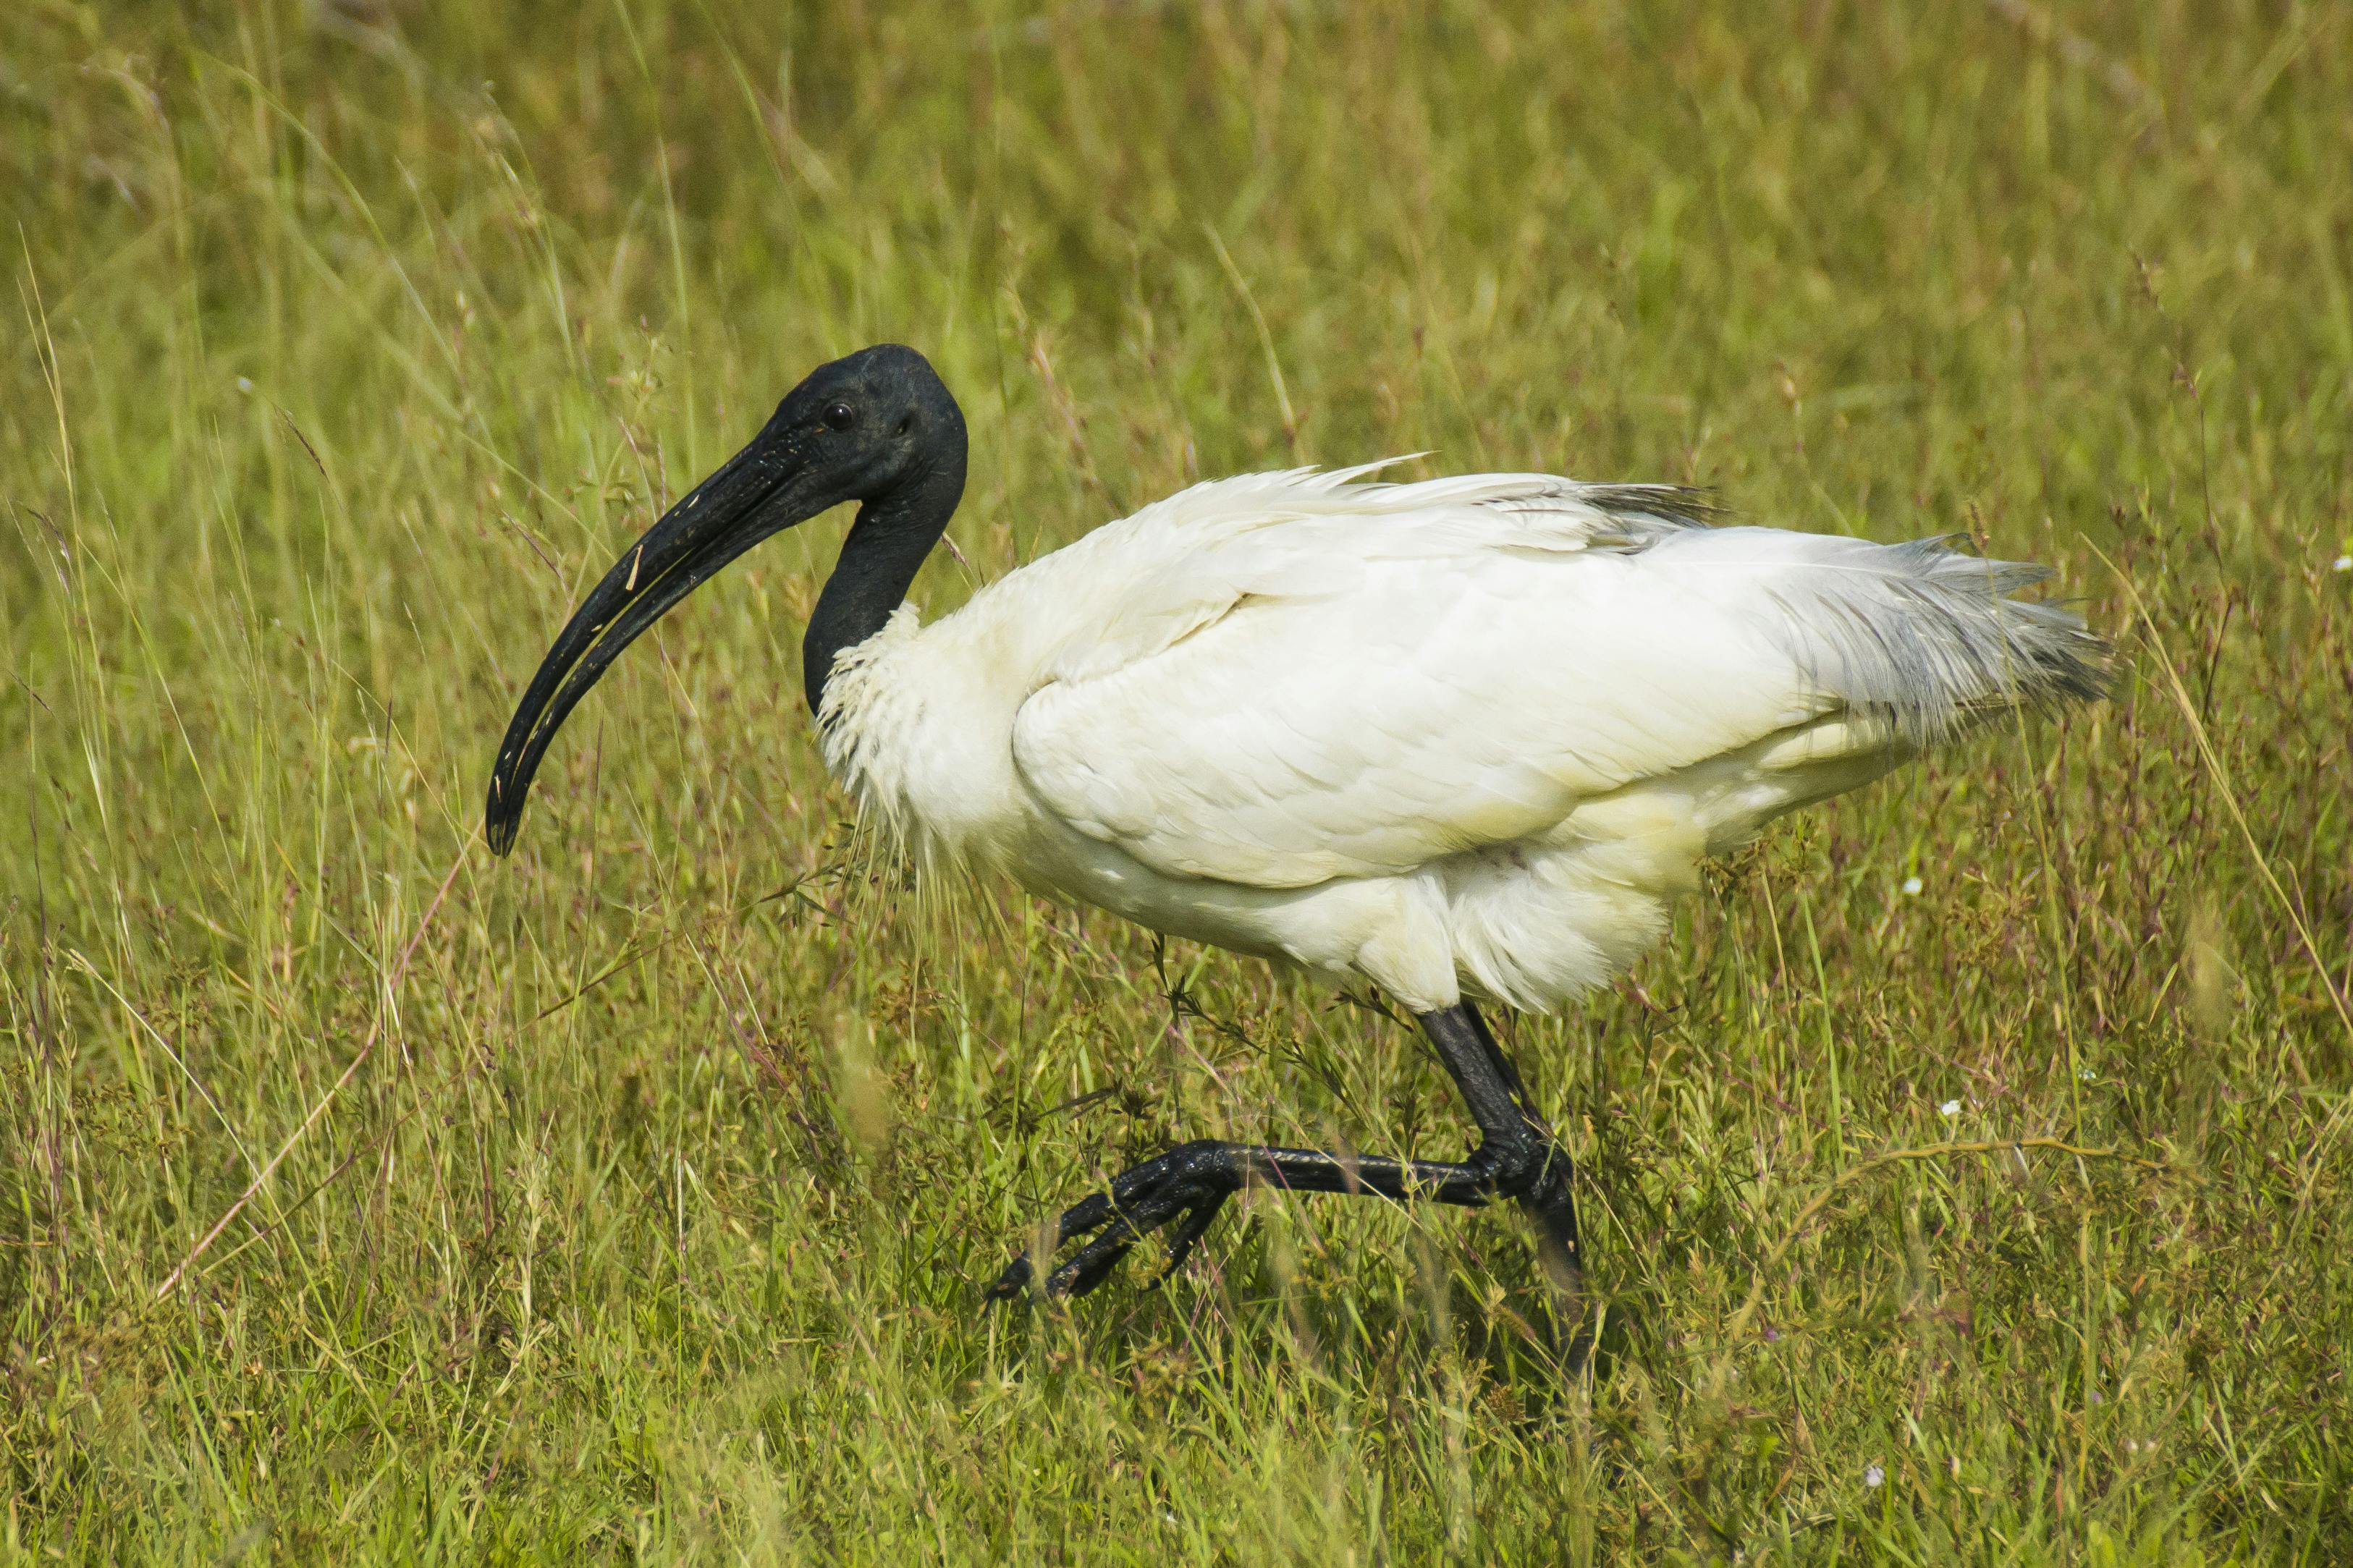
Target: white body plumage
1469 736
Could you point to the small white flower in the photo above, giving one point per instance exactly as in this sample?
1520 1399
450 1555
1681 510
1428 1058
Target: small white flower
2088 1076
1911 885
1873 1476
2342 563
1950 1108
245 383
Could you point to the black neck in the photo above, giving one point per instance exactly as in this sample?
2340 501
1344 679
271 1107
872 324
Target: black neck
884 550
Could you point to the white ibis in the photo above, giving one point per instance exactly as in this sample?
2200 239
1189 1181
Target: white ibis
1466 739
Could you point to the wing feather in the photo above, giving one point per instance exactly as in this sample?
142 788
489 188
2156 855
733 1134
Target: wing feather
1327 679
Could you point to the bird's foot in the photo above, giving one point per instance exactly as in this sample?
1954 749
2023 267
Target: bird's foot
1184 1187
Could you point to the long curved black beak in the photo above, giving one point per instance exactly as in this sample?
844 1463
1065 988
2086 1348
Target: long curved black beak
759 491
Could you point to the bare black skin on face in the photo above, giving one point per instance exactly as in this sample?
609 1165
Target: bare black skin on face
877 428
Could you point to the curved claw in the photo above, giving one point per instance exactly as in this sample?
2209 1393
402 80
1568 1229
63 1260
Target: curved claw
1191 1184
1012 1282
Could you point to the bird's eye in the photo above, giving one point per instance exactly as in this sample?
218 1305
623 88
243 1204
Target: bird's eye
840 415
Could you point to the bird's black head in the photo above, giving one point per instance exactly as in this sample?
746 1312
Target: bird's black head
877 427
861 425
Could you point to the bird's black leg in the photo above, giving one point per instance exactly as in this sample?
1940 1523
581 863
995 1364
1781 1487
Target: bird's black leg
1518 1158
1541 1182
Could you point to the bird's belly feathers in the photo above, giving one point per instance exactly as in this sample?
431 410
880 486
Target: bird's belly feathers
1530 924
1536 923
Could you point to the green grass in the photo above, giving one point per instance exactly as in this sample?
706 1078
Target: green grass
658 1167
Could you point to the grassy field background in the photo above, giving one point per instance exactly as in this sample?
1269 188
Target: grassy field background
629 1201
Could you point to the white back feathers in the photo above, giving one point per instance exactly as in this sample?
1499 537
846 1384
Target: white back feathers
1265 698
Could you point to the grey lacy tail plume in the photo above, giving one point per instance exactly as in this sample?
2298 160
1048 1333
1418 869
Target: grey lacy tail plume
1928 638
